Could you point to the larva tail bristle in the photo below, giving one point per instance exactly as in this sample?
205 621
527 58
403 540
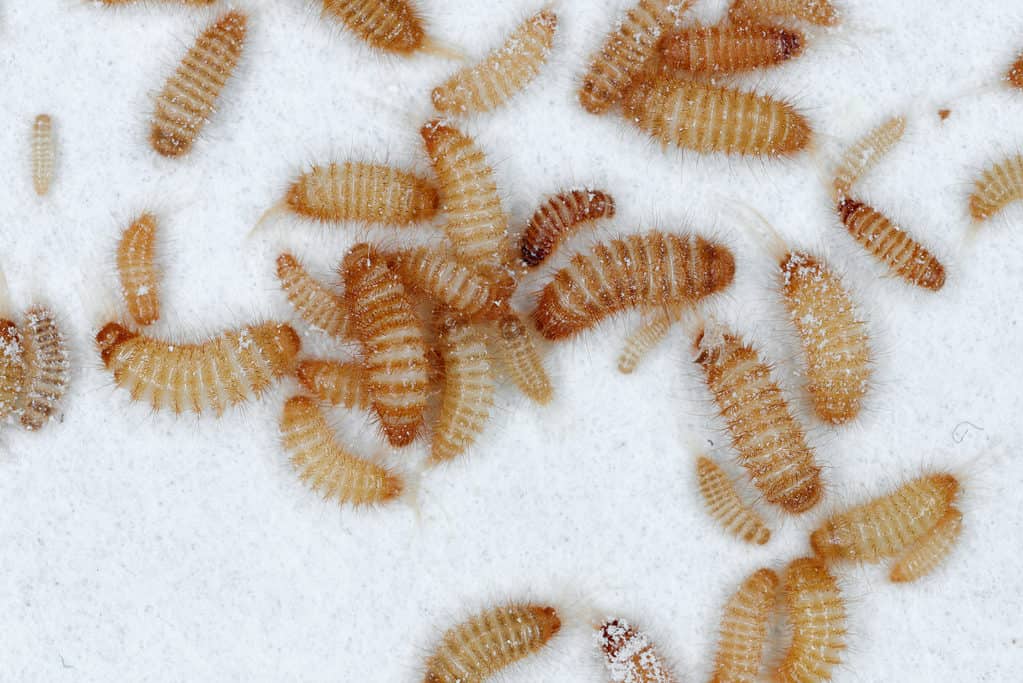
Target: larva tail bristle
272 212
442 50
756 224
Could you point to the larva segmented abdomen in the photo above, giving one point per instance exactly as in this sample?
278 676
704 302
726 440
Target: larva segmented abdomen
646 337
744 629
324 465
770 443
725 505
865 153
1015 73
834 337
315 304
559 217
820 12
448 282
649 269
521 360
933 547
629 655
709 118
233 367
891 245
46 368
997 186
360 191
12 367
44 153
136 266
503 73
336 383
713 50
817 615
887 525
490 641
468 388
392 25
190 96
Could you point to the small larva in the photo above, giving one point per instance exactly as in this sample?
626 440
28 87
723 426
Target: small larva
431 271
505 72
727 49
490 641
137 269
816 612
44 153
646 337
558 218
12 367
391 25
233 367
933 547
998 185
521 360
335 383
725 505
315 304
629 655
326 466
744 629
468 388
820 12
885 526
770 442
46 368
190 96
865 153
650 269
1015 74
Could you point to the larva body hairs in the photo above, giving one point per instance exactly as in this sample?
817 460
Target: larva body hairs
631 655
744 628
816 12
44 153
398 29
722 49
996 187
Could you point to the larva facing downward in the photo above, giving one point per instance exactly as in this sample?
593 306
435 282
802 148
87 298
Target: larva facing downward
744 629
726 49
864 154
520 358
629 655
44 154
468 393
317 305
725 505
998 185
816 612
137 268
47 368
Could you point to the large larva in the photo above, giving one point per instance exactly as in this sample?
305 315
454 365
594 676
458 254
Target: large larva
46 365
431 271
770 442
630 656
317 305
468 388
393 340
335 383
12 367
521 360
649 269
646 337
391 25
725 505
998 185
1015 74
189 97
816 612
865 153
235 366
326 466
490 641
820 12
557 218
137 269
933 547
727 49
44 154
506 71
744 629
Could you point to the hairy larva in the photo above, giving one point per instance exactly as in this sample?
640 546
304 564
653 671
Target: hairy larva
189 97
887 525
816 612
490 641
432 271
47 368
725 505
629 655
12 367
315 303
335 383
646 337
44 154
998 185
649 269
933 547
709 118
1015 74
744 629
770 443
235 366
391 25
520 358
468 387
558 218
727 49
865 153
137 269
393 341
504 72
325 465
820 12
626 50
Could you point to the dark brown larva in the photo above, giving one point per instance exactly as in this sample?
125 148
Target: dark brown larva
557 218
726 49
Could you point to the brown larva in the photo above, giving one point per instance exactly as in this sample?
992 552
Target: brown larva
930 550
1015 74
392 25
820 12
865 153
650 269
770 443
47 368
235 366
725 505
727 49
520 358
468 392
558 218
490 641
12 367
44 153
646 337
336 383
998 185
197 3
744 629
629 655
189 97
506 71
816 612
314 302
447 282
137 269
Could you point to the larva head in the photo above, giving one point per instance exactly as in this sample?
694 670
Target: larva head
847 206
232 25
357 263
547 621
822 13
436 134
790 41
946 484
110 337
615 635
511 327
808 574
286 264
796 267
833 541
933 278
710 342
280 343
716 266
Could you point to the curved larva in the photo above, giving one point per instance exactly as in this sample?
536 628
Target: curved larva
490 641
12 367
505 72
392 25
820 12
887 525
315 303
629 655
646 337
559 217
137 269
189 97
233 367
834 337
336 383
997 186
865 153
1015 74
626 50
468 392
393 341
431 271
325 465
521 360
816 611
727 49
891 245
708 118
46 368
725 505
933 547
44 153
770 443
649 269
744 629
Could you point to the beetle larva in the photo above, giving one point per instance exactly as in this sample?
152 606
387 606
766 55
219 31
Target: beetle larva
816 612
650 269
1015 74
629 655
727 49
12 367
491 640
468 388
725 505
521 360
431 271
770 443
336 383
997 186
137 269
233 367
391 25
865 153
744 629
316 304
44 154
933 547
820 12
646 337
505 72
189 97
558 218
46 368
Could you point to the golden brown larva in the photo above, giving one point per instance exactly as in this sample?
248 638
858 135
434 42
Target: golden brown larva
924 556
729 48
997 186
44 153
392 25
743 632
559 217
820 12
816 612
315 303
1014 76
336 383
138 270
725 505
520 358
447 282
630 656
47 368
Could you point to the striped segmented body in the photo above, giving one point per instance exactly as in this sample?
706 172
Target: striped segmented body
391 25
468 392
725 505
44 153
317 305
726 49
559 217
136 266
630 656
998 185
744 629
924 556
864 154
432 271
336 383
12 367
816 612
820 12
521 359
47 368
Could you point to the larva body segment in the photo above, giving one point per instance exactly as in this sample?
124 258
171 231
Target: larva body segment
12 367
44 154
744 629
1015 73
728 49
816 612
646 337
521 360
864 154
725 505
490 641
506 71
630 656
391 25
770 443
820 12
559 217
433 272
344 384
136 266
236 366
998 185
468 388
46 365
648 269
316 304
933 547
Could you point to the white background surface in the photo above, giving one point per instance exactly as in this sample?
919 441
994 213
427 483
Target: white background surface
136 546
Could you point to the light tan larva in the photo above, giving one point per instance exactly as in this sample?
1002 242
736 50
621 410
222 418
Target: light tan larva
506 71
315 303
816 612
1015 74
12 367
432 271
926 554
727 49
725 505
998 185
520 358
46 365
468 393
744 629
336 383
491 640
865 153
138 271
559 217
189 97
44 154
630 656
391 25
325 465
820 12
236 366
646 337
